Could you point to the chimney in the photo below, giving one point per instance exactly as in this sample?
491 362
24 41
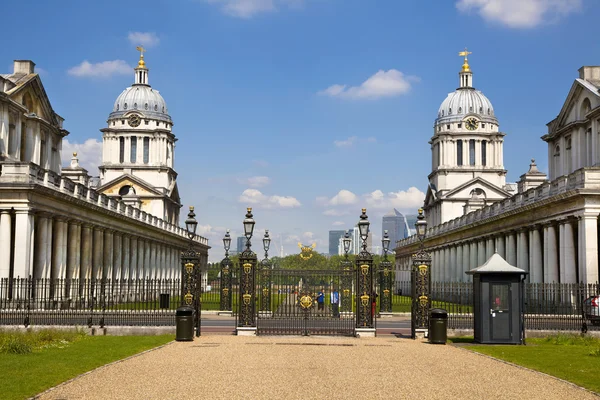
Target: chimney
590 73
24 67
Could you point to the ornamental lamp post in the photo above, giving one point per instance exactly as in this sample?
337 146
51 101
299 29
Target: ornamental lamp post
266 243
420 283
346 301
226 276
365 296
385 278
265 277
246 323
190 260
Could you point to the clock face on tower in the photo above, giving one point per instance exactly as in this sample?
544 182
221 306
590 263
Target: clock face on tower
471 124
134 120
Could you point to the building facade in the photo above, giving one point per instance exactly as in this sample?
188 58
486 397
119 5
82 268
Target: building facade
334 241
549 227
53 224
396 225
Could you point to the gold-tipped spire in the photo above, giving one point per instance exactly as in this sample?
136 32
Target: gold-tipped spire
465 67
141 63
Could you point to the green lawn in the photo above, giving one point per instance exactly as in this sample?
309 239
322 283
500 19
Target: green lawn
54 361
403 304
569 357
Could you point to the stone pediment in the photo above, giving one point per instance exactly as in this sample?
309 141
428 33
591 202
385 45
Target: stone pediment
570 111
29 91
141 187
464 191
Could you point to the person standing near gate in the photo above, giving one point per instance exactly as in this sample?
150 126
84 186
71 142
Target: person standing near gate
321 300
335 303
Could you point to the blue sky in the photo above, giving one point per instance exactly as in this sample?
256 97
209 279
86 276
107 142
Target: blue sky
306 110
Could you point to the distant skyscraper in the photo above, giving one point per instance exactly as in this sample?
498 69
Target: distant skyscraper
334 239
241 244
396 225
411 220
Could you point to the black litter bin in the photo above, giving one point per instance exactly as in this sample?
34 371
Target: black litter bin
184 324
164 300
438 326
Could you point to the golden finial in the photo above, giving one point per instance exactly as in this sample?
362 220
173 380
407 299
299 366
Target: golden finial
191 208
74 154
465 67
249 209
364 210
141 63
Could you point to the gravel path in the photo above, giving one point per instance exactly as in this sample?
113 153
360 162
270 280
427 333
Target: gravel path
230 367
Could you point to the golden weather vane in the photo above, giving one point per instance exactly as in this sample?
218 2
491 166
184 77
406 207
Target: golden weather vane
141 63
465 54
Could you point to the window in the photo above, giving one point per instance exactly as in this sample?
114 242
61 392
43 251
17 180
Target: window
146 121
472 152
557 171
459 126
482 125
449 111
480 110
121 149
133 155
448 127
459 152
146 150
483 152
460 110
125 106
568 154
114 122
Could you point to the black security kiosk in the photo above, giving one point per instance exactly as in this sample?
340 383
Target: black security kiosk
498 292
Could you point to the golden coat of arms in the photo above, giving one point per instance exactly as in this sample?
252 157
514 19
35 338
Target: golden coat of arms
306 251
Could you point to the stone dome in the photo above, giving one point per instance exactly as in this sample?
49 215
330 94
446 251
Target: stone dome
466 101
144 100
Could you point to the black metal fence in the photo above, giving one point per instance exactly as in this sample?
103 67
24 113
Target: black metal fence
547 306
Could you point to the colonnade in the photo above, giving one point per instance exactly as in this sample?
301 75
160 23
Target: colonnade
44 245
563 250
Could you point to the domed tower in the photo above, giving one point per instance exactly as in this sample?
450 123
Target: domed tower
138 150
467 158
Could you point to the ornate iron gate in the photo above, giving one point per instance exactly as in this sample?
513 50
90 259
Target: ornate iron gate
288 302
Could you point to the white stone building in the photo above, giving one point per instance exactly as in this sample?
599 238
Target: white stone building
548 228
53 224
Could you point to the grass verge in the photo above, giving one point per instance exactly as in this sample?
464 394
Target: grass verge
569 357
35 361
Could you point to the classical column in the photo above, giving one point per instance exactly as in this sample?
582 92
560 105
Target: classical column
550 255
97 256
452 265
500 246
117 256
46 271
41 239
86 251
5 242
523 251
511 248
536 258
59 253
489 247
588 247
107 271
466 263
73 250
141 248
568 264
133 251
481 252
147 259
473 252
24 231
126 266
458 271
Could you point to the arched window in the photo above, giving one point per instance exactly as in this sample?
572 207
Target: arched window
460 110
146 150
586 106
133 155
483 152
557 170
568 154
459 152
121 149
124 190
480 110
449 111
472 152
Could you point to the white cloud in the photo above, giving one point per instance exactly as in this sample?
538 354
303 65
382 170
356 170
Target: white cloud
345 143
260 163
410 199
520 13
343 197
255 181
338 223
146 39
89 154
255 197
104 69
335 213
388 83
251 8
